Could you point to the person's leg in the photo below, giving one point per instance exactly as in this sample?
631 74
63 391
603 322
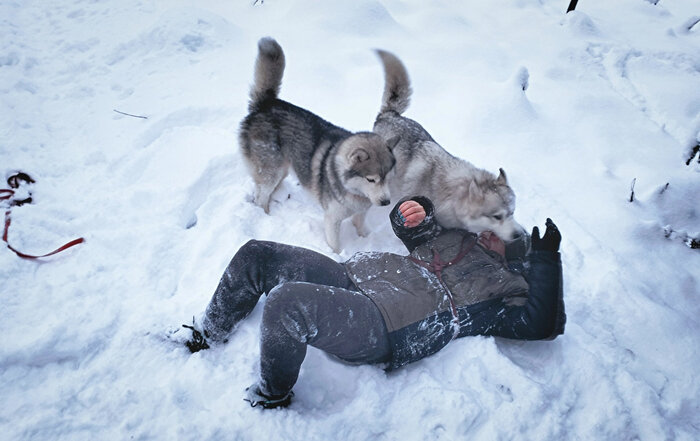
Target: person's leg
258 267
338 321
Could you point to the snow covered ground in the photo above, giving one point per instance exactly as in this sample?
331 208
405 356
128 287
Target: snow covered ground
613 97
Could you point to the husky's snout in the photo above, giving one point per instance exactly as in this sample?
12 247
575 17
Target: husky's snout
509 230
519 244
380 200
518 232
381 196
377 193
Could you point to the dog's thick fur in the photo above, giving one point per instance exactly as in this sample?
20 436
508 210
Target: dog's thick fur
346 172
464 195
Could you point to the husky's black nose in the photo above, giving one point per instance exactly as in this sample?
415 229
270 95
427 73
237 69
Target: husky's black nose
384 202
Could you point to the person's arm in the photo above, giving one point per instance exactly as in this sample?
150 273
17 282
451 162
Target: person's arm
413 236
543 315
516 252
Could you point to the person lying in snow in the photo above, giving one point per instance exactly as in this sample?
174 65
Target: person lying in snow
384 308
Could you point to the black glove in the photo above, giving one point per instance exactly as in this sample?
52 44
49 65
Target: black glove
551 239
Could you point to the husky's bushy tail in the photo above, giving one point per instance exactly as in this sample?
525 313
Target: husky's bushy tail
397 86
269 67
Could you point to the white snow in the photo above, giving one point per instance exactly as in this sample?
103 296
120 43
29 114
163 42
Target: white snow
612 96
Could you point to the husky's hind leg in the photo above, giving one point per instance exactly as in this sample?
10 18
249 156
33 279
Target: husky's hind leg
267 165
265 184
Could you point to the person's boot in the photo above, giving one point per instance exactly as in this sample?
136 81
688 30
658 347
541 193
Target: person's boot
198 340
256 398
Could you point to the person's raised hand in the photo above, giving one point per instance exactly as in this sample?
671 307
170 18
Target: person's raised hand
412 213
550 240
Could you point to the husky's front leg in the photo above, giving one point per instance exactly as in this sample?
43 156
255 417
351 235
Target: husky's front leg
358 220
332 222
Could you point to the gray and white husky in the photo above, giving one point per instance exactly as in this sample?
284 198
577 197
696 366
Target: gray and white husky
464 196
346 172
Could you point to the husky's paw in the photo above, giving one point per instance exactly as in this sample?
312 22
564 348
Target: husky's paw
362 231
265 206
335 247
358 220
262 199
333 241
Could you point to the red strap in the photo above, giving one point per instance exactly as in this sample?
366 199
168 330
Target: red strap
6 195
58 250
8 220
7 226
436 267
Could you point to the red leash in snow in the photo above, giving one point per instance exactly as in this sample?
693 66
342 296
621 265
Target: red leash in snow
8 195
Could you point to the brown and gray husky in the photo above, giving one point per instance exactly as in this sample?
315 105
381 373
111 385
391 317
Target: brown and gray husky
464 196
346 172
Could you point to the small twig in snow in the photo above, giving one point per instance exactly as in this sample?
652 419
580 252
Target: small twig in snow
693 152
634 181
691 23
129 114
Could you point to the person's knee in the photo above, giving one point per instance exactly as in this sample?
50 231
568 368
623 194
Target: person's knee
254 247
257 253
275 302
288 305
282 298
264 251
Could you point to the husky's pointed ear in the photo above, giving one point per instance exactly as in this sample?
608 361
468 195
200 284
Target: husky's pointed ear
475 192
358 155
502 179
391 142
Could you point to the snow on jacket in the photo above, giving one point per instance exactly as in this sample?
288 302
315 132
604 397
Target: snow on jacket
489 296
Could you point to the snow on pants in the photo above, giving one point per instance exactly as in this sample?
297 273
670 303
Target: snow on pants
311 301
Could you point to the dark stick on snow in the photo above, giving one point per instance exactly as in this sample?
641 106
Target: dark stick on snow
634 181
695 151
129 114
692 22
572 6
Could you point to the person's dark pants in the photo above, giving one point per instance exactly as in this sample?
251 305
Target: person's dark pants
311 301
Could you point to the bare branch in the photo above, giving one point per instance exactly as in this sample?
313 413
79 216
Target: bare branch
129 114
634 181
694 151
691 23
